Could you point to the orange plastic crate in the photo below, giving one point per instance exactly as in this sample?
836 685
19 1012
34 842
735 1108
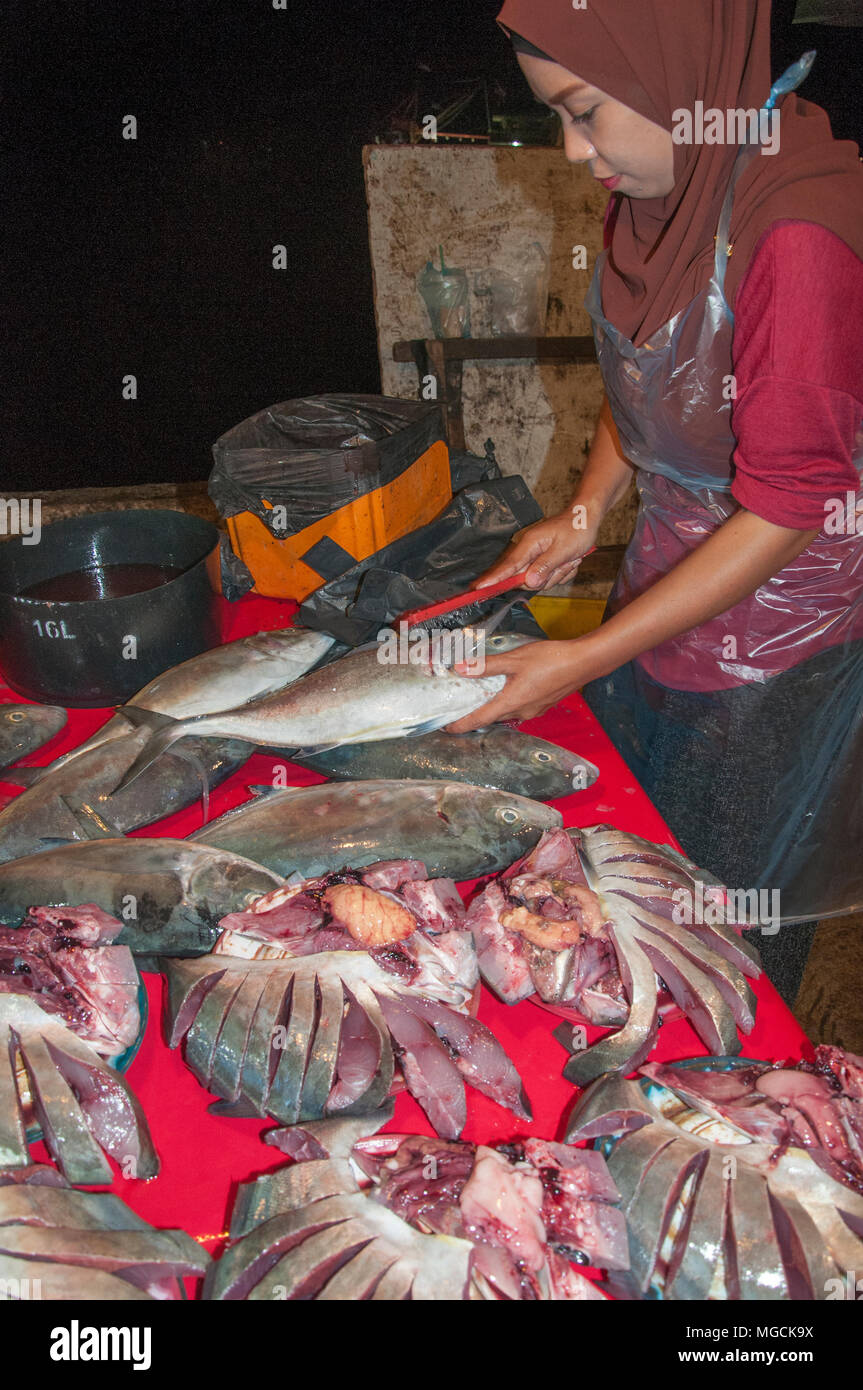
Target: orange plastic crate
360 527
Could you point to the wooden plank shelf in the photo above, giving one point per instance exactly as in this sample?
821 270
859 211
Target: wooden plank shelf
444 359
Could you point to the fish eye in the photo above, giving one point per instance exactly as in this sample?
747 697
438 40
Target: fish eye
543 757
16 718
509 815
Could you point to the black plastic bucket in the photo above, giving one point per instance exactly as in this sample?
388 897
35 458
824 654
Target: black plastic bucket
103 650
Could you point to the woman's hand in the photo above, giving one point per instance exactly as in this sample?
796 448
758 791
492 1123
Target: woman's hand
550 550
538 675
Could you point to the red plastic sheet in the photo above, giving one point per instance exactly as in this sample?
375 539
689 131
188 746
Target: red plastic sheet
205 1157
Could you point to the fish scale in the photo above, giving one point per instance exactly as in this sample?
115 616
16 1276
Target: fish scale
263 1242
13 1140
761 1272
101 1248
394 1286
69 1282
733 987
312 1258
67 1135
283 1100
695 1271
203 1036
321 1068
354 1281
659 1189
225 1071
714 1022
819 1267
271 1013
288 1189
60 1206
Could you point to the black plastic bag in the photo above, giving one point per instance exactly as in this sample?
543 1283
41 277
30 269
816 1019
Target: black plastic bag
430 564
310 456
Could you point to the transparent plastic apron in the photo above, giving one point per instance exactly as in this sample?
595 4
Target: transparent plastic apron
671 402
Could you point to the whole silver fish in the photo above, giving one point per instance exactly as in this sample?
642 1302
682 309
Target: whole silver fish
170 895
70 800
497 757
24 728
222 678
456 830
358 699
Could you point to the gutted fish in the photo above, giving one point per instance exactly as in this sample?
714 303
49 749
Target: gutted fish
589 920
457 831
816 1106
61 1245
24 728
68 962
83 1107
497 757
76 800
713 1211
169 894
311 998
357 699
405 1217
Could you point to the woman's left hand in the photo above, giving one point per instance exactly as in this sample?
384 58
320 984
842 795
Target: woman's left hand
538 675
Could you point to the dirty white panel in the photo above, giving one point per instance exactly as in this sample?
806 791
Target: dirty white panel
485 206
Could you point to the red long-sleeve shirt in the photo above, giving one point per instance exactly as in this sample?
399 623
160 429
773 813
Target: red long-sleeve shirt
798 363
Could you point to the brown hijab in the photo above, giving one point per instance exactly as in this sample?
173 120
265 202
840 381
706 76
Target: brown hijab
660 56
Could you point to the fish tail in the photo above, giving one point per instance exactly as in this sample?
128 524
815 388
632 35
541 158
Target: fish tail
155 746
139 717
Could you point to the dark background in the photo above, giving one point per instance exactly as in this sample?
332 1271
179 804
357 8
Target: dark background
154 256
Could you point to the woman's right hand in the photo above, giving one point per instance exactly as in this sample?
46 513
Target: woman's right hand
551 551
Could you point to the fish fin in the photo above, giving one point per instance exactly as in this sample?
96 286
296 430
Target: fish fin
160 742
315 748
22 776
94 825
139 717
259 789
237 1109
427 727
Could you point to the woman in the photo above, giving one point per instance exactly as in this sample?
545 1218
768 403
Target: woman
728 317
